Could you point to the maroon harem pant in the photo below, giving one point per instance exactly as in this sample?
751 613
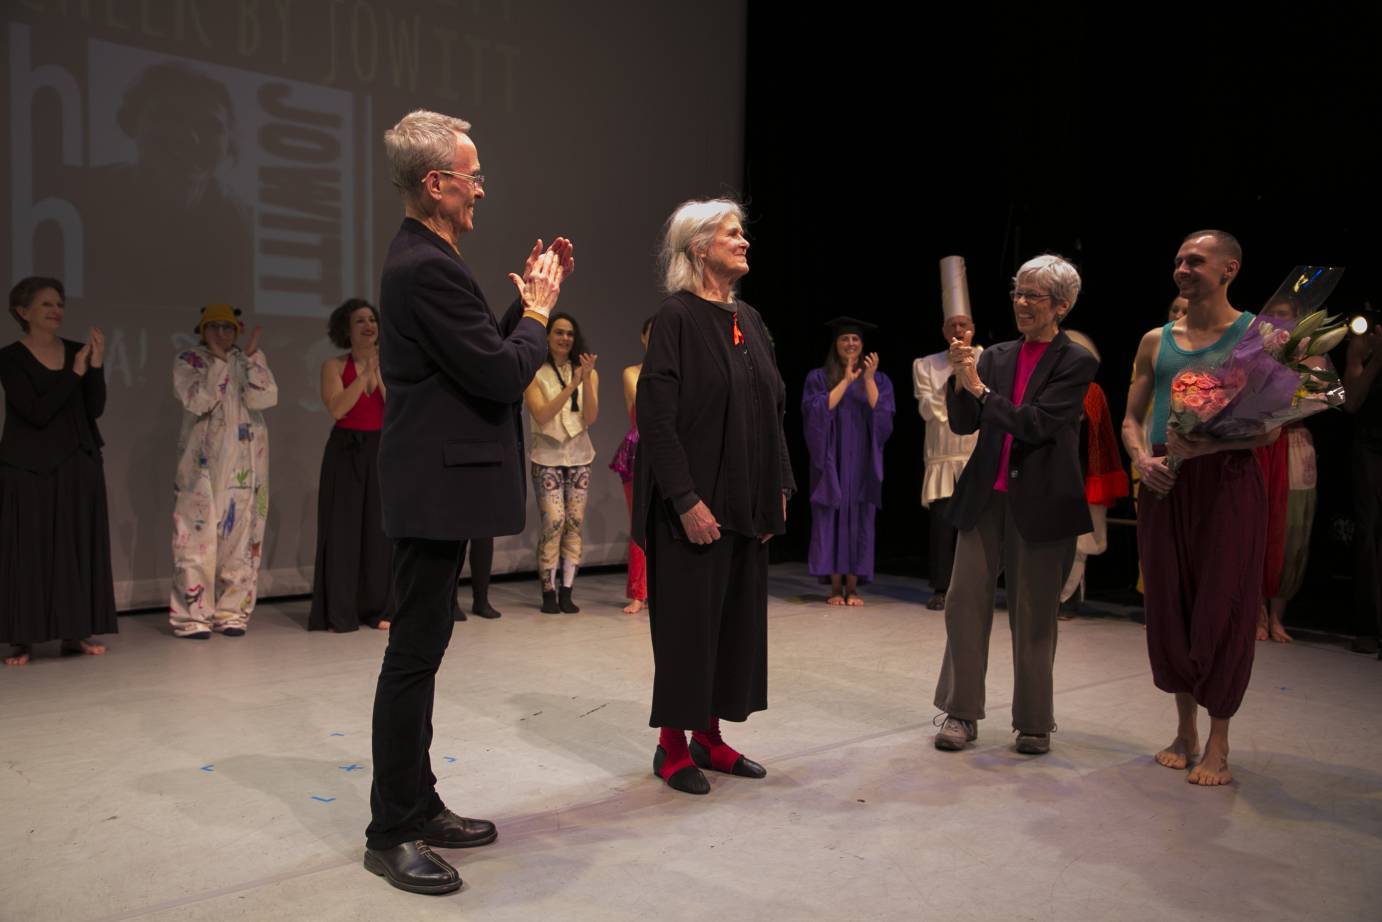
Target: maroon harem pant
1202 550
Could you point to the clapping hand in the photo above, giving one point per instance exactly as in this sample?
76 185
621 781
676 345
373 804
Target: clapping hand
564 251
870 365
961 352
587 366
97 343
253 345
540 284
82 360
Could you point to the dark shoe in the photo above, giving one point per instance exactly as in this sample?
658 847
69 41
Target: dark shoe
955 733
564 601
549 603
233 632
1033 744
447 830
1366 645
195 635
483 609
936 602
744 767
414 867
689 780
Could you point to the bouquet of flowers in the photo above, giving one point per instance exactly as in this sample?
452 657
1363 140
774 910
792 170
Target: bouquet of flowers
1278 373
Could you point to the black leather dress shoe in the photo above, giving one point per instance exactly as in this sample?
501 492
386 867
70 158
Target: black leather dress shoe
447 830
688 780
485 610
744 767
414 867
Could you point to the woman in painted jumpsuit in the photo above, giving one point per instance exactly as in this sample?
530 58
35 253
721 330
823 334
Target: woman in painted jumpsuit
221 489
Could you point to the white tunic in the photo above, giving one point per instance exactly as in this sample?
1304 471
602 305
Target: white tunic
564 440
946 452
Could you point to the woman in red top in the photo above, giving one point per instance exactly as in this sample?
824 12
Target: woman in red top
351 584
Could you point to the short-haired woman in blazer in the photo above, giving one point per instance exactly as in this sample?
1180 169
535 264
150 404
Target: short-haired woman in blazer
1019 505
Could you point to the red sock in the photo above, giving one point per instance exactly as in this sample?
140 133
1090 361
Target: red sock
673 742
722 755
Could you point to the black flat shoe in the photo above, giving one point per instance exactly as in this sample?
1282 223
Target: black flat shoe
564 601
447 830
195 635
414 867
744 767
689 780
549 603
485 610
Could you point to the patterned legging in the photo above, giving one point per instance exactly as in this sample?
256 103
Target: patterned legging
561 493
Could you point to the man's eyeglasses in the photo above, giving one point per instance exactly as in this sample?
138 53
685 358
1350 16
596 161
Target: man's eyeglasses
1031 297
477 179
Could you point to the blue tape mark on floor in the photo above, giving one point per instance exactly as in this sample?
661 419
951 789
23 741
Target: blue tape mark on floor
352 767
449 758
1283 688
209 767
325 800
337 733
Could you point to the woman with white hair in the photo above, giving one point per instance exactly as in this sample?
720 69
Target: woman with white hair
711 481
1019 505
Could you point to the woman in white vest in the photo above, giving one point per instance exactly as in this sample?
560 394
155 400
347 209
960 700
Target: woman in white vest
563 404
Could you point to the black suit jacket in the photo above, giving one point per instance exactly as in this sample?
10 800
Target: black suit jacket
48 415
1045 486
451 460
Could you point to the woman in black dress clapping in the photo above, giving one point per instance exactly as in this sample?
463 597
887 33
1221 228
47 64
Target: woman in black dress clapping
55 577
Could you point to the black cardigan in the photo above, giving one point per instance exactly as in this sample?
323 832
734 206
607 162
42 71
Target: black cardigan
1045 487
690 444
49 415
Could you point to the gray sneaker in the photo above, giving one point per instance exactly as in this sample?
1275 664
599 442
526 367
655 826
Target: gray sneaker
1033 744
955 733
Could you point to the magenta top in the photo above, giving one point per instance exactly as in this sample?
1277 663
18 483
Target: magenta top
1027 359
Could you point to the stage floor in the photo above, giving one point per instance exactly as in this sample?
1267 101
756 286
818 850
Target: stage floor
229 779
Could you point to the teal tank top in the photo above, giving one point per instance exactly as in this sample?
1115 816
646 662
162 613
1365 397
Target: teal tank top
1171 360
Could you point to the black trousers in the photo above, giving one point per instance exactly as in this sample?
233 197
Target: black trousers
708 609
404 794
941 556
1367 540
481 563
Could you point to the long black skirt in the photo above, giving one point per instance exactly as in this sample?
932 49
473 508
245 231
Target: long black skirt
708 610
55 576
351 586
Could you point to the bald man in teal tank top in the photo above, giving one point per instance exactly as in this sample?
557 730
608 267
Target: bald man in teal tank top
1201 531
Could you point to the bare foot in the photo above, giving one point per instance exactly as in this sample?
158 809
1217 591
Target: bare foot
1179 754
634 607
87 647
383 625
19 655
854 601
1261 631
1279 634
1213 768
835 600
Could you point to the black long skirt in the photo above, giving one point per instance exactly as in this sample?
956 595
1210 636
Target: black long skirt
55 576
708 610
351 586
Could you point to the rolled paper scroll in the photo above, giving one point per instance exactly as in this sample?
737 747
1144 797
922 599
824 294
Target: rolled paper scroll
954 288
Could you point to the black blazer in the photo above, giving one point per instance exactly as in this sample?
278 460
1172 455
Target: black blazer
48 415
451 462
1045 486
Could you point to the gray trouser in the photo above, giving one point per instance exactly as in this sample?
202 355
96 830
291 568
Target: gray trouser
1036 571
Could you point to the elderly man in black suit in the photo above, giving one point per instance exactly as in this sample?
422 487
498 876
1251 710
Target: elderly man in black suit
1019 505
450 467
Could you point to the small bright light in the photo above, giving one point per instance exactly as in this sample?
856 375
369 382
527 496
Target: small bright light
1358 325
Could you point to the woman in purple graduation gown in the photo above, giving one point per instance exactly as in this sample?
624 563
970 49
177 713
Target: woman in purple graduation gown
847 412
